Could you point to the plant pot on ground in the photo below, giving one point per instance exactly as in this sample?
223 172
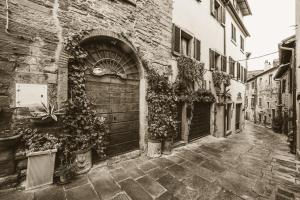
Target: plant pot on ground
154 148
167 145
41 152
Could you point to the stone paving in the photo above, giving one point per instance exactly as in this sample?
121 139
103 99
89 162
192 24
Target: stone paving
254 164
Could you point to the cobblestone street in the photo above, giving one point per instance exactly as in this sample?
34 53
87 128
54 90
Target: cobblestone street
254 164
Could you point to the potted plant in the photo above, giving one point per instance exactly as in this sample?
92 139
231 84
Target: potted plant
41 151
45 115
66 172
88 132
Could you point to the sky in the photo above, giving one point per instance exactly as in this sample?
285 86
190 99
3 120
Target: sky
271 22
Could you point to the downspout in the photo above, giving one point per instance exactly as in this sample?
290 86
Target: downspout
293 67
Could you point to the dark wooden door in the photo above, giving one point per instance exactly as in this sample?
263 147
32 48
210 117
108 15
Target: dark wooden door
200 125
238 116
113 87
118 101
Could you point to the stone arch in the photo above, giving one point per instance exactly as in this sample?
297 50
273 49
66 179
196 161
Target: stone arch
125 45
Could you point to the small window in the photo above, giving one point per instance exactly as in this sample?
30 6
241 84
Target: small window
268 103
218 11
216 60
283 86
185 44
252 84
252 102
242 43
260 102
224 63
233 33
270 79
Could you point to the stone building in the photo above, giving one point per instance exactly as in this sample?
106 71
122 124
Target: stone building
297 64
284 76
214 33
33 61
124 33
262 95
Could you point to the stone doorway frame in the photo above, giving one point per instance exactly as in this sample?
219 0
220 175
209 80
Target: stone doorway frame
62 79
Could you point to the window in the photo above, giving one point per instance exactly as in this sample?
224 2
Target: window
231 66
283 86
260 81
242 43
252 102
260 102
270 79
242 74
245 74
217 61
268 103
185 44
233 33
252 84
218 11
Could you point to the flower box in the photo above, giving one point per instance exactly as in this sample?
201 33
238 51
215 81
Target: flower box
40 168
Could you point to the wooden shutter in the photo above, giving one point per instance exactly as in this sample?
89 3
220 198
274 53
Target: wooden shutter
224 63
242 74
176 44
245 74
197 49
223 15
212 7
212 62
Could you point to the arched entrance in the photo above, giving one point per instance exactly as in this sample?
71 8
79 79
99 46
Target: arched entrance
112 85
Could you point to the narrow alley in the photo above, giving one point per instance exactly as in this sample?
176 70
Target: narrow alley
249 165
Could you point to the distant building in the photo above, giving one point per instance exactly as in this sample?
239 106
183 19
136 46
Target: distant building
284 76
298 72
262 96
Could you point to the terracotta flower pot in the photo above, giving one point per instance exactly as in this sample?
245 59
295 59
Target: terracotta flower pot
167 145
83 161
40 168
154 148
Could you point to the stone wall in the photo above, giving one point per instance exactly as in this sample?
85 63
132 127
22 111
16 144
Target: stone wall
32 36
31 47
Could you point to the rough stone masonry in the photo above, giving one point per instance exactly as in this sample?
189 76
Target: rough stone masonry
32 34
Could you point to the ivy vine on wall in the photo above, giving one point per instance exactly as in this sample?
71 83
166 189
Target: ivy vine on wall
220 78
81 122
162 105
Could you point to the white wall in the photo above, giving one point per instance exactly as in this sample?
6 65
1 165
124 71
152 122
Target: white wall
195 18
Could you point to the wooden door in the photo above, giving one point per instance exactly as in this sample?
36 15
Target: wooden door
238 116
112 85
200 125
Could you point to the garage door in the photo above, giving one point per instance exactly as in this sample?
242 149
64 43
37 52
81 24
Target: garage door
200 125
113 88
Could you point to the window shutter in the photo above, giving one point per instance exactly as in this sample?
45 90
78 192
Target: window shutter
245 74
223 15
212 7
197 49
242 73
212 63
176 39
224 64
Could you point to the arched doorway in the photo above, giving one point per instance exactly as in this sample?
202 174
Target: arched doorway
112 85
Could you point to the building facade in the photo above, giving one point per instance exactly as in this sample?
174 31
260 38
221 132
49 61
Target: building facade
262 96
217 26
298 74
34 62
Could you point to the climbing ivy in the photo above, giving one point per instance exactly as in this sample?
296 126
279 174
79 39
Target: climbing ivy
220 78
162 105
81 121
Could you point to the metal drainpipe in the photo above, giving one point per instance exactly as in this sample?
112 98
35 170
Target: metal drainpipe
293 66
